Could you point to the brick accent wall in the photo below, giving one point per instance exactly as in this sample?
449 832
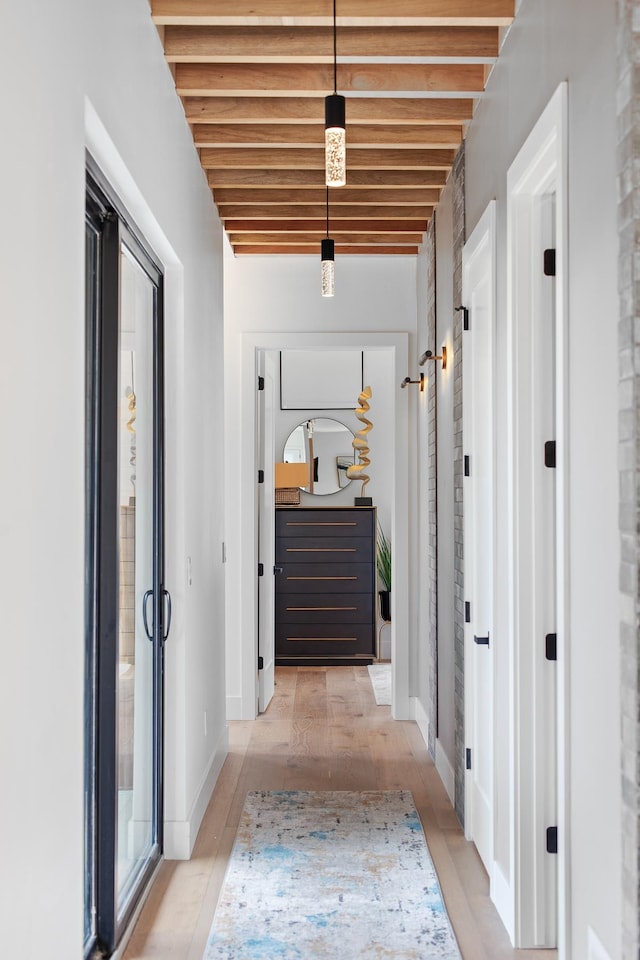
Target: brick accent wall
432 504
458 511
629 451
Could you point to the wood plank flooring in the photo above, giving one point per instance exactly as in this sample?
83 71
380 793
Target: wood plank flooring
322 731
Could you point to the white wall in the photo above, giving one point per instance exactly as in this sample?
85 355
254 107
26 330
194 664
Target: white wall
110 54
551 42
281 295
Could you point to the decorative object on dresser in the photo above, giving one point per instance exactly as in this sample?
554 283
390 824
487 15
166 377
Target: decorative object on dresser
325 585
361 447
288 478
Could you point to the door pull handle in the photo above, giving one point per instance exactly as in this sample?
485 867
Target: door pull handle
149 633
167 596
278 570
481 641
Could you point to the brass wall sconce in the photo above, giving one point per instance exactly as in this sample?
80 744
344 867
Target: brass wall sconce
428 355
408 380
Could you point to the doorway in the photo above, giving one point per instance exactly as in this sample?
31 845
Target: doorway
128 610
392 353
538 535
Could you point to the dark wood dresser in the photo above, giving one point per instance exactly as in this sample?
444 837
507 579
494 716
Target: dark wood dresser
325 585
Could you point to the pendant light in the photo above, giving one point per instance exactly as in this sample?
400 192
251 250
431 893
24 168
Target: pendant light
327 257
334 126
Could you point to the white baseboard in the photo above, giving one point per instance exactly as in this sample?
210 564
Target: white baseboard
502 897
180 835
445 770
234 708
421 718
595 950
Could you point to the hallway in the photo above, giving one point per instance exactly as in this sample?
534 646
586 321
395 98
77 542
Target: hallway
322 731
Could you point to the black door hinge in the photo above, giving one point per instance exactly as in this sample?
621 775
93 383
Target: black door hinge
550 453
552 839
467 466
550 263
260 383
467 612
482 641
261 569
260 476
551 646
260 663
465 317
468 758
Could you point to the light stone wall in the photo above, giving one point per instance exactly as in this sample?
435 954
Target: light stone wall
432 504
458 175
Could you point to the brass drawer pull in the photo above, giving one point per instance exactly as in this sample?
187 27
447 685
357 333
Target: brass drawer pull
321 549
323 523
321 608
325 639
322 578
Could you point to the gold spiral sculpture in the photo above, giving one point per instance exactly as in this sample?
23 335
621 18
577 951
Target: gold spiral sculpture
359 442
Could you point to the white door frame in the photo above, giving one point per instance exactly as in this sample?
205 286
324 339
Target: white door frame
479 253
396 345
538 171
266 529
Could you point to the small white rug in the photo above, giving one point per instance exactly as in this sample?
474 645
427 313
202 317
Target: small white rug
331 876
380 674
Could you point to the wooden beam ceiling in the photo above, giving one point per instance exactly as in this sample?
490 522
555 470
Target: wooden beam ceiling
252 76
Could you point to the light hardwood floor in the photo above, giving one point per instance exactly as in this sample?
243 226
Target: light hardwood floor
322 731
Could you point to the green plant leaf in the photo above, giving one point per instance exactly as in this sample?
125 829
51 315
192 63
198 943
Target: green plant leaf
383 559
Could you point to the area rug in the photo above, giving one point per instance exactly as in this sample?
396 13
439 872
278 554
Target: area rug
380 674
338 875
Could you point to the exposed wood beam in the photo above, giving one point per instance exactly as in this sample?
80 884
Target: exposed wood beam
310 159
319 12
309 80
317 212
363 250
237 44
405 110
287 135
336 226
278 197
315 178
313 239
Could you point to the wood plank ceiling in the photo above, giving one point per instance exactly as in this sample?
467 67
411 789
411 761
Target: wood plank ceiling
252 77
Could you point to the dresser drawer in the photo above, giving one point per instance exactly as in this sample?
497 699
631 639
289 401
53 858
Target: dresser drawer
324 523
313 609
325 577
305 641
312 550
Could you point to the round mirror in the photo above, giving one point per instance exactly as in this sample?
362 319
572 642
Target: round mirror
325 446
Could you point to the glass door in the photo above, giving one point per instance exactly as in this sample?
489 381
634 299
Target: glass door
128 609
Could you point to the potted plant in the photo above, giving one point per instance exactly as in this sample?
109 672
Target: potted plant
383 564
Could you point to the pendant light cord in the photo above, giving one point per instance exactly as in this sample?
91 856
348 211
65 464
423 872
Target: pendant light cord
327 213
335 51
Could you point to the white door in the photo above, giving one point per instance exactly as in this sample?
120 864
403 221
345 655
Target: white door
478 294
266 532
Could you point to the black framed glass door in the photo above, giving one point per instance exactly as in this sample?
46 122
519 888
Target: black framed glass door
127 607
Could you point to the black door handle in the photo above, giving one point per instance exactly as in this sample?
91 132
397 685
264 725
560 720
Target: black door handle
149 633
278 569
167 596
481 641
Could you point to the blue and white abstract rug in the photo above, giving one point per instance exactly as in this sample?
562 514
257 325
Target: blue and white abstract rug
338 875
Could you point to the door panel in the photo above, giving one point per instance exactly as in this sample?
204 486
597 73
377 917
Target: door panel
479 500
125 618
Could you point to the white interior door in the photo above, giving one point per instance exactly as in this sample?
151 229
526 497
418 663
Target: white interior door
478 286
266 532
